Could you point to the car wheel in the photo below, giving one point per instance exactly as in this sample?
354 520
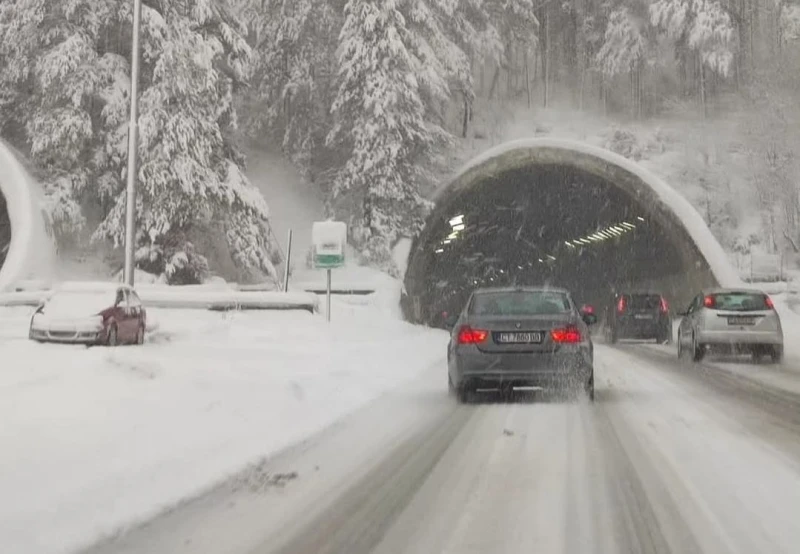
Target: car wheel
463 394
776 354
698 352
140 335
590 389
112 338
680 346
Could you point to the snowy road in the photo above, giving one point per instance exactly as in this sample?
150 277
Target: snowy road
671 458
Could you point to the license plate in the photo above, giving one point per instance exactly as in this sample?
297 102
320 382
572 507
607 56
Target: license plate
643 316
741 321
519 338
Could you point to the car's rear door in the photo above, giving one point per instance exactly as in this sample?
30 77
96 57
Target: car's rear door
644 308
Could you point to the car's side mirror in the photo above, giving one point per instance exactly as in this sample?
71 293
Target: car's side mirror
450 321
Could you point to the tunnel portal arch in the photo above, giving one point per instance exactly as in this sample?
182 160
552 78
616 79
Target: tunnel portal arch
703 259
27 241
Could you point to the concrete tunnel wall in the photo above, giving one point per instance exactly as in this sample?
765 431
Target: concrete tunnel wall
704 261
32 251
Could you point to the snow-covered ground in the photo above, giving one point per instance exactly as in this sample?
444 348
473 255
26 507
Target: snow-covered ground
94 439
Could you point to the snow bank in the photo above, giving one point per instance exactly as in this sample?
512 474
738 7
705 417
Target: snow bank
708 245
32 251
96 439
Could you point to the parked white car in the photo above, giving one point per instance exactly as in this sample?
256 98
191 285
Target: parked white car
731 320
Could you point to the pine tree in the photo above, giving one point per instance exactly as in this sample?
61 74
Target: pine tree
293 84
380 121
71 59
624 45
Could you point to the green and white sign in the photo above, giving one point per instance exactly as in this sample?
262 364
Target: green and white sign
328 239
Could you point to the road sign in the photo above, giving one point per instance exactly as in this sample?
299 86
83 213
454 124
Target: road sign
328 239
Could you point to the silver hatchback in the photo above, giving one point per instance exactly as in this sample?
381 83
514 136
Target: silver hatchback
733 321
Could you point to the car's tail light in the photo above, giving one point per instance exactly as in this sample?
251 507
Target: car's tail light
663 306
709 301
568 335
468 335
770 304
621 304
587 309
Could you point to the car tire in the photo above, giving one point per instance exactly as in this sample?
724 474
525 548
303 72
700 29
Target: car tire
776 354
614 336
140 335
112 339
463 394
590 389
698 352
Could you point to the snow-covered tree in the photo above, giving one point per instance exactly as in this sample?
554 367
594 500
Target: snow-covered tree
293 83
379 120
702 26
70 58
624 45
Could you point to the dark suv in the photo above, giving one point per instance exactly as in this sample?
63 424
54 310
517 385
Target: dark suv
639 315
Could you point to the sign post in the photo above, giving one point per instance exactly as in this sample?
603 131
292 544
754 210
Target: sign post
288 262
329 239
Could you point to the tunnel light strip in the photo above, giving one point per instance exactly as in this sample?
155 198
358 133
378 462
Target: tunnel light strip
459 227
457 220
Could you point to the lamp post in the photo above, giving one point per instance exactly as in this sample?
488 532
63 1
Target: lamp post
133 136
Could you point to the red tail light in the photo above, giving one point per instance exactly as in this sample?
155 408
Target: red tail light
709 301
621 304
663 306
569 335
769 303
587 309
468 335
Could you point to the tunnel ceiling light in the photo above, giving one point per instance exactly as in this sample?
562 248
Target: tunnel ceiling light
551 257
453 235
568 243
541 261
439 250
459 227
457 220
628 225
606 234
640 218
446 241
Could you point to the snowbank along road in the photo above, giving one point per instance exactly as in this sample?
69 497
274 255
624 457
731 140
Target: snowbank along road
672 457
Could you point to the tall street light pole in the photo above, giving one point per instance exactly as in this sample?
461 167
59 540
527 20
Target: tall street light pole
133 136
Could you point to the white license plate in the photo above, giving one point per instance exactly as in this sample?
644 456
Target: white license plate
741 321
643 316
519 338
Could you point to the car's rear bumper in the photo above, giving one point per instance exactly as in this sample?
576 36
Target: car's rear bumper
727 338
573 367
642 328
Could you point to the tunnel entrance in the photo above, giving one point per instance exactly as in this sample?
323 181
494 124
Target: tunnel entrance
547 213
5 230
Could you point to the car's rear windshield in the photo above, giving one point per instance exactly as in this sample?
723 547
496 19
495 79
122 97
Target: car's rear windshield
520 303
643 301
739 301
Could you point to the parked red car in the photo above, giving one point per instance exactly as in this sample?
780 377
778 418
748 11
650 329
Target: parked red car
91 314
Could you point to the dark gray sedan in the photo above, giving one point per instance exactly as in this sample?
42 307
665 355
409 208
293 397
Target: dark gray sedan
520 337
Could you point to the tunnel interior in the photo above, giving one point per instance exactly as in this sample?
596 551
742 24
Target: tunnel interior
5 230
545 224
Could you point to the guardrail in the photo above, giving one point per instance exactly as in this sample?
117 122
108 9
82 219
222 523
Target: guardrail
195 298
